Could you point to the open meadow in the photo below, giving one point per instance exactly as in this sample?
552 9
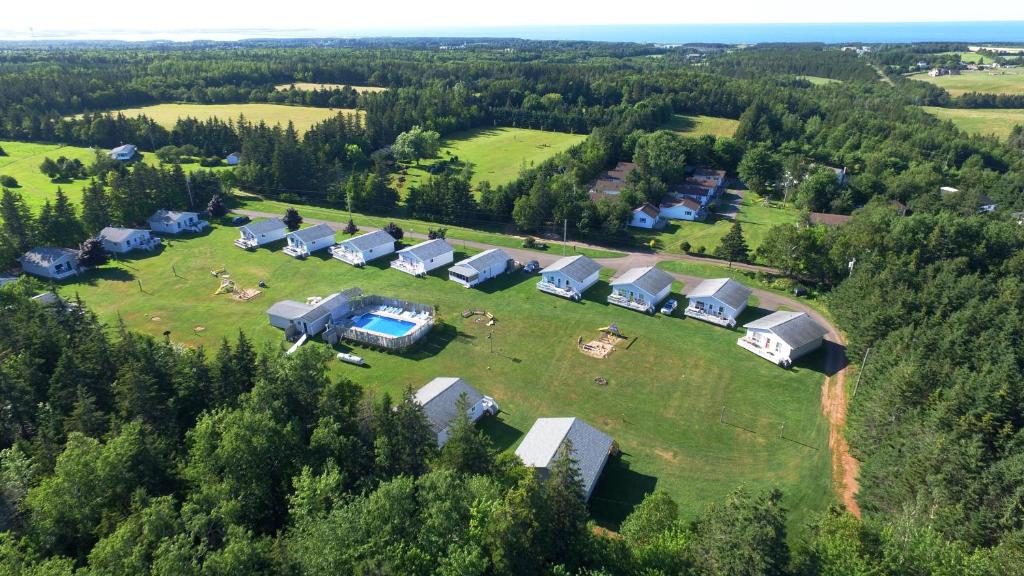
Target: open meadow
820 80
303 117
984 121
693 413
701 125
315 86
1001 81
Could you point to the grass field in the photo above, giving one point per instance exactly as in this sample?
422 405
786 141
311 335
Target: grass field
496 153
303 117
701 125
663 402
986 121
819 80
314 86
1002 81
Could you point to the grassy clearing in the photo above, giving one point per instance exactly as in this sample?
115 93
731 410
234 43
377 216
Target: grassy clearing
820 80
701 125
310 86
497 154
663 403
303 117
1002 81
987 121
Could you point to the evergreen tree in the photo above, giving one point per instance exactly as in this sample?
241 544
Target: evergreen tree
468 449
565 511
350 227
95 207
395 231
67 229
215 208
18 224
733 246
292 219
91 253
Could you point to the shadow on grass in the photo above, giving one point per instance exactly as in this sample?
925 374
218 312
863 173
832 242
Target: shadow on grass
137 255
598 293
502 435
107 274
440 336
618 491
750 314
505 281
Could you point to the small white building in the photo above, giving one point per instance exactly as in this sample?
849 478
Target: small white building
569 277
361 249
783 337
234 158
49 262
302 243
640 289
719 301
297 318
647 217
174 222
590 448
480 268
256 234
682 208
424 257
440 402
123 153
123 240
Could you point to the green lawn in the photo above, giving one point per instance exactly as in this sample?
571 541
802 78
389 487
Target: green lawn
497 154
1002 81
701 125
986 121
663 402
303 117
314 86
819 80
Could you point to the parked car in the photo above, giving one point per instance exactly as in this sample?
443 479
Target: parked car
239 220
669 307
531 267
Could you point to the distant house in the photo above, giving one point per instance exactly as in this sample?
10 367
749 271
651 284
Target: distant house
302 243
361 249
234 158
49 262
590 448
49 300
986 204
424 257
297 318
123 240
1017 216
647 217
703 193
256 234
174 222
719 301
640 289
946 190
123 153
782 337
481 267
440 400
682 208
569 277
705 176
841 174
833 220
609 185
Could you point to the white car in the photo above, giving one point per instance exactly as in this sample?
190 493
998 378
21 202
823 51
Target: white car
669 307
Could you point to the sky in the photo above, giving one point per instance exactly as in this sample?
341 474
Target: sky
21 19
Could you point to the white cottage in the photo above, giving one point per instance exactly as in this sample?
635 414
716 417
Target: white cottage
719 301
424 257
783 337
49 262
569 277
256 234
640 289
590 447
175 222
647 217
297 318
123 152
481 267
359 250
123 240
440 402
682 208
302 243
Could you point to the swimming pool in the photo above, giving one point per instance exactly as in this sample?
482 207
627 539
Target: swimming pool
383 325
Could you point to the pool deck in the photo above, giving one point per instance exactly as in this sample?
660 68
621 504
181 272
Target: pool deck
416 322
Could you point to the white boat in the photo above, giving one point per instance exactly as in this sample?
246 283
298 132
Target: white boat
350 358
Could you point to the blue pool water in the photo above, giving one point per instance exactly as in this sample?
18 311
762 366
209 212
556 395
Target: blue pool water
383 324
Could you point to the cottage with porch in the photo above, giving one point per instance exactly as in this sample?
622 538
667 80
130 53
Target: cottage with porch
569 277
590 448
718 301
175 222
481 267
302 243
256 234
424 257
640 289
361 249
49 262
682 208
440 402
783 337
124 240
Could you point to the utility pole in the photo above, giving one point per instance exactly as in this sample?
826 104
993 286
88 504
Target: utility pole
188 186
863 364
565 234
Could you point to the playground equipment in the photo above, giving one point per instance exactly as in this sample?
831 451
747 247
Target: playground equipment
226 286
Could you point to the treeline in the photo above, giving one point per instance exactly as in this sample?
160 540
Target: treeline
801 60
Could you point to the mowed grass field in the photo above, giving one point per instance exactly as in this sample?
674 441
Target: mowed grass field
985 121
820 81
693 413
303 117
496 153
1002 81
310 86
701 125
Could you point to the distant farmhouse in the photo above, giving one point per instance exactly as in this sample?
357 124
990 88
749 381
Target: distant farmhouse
361 249
783 337
302 243
256 234
481 267
569 277
640 289
590 448
49 262
174 222
124 240
123 153
719 301
440 399
424 257
609 185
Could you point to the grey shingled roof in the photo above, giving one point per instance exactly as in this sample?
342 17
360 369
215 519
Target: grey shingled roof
429 249
115 234
314 232
578 268
440 397
46 255
171 216
485 260
794 328
726 290
264 226
289 309
124 148
590 446
649 279
369 240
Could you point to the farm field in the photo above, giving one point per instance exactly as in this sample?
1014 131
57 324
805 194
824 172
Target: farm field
314 86
983 121
819 80
1002 81
701 125
303 117
497 153
663 401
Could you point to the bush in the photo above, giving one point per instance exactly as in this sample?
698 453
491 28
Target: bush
394 230
685 246
529 242
350 227
701 249
292 219
8 182
210 162
435 234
